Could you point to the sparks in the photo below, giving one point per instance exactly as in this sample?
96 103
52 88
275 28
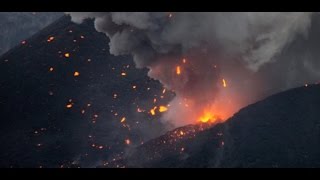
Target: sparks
69 106
75 74
224 83
67 55
50 39
184 60
153 111
163 109
178 70
123 119
127 141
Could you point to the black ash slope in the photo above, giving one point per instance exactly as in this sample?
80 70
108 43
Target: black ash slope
36 127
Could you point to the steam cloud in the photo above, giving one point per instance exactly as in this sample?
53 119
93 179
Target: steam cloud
241 47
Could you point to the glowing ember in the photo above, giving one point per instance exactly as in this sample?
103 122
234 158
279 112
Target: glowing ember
127 141
163 109
178 70
184 60
75 74
69 106
123 74
67 55
153 111
50 39
134 87
224 83
51 69
123 119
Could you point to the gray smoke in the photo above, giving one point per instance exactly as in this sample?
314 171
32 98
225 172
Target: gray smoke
235 46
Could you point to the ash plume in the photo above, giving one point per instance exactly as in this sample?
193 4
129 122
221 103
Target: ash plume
207 48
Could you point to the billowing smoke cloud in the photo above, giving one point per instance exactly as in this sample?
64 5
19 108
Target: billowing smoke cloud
206 48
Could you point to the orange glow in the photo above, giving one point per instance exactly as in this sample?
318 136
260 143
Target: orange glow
69 106
123 74
127 141
50 39
67 55
178 70
163 109
123 119
184 61
75 74
153 111
224 83
207 116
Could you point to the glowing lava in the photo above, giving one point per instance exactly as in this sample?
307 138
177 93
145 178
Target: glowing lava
207 117
178 70
163 109
224 83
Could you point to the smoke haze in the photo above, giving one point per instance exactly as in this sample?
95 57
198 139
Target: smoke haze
241 48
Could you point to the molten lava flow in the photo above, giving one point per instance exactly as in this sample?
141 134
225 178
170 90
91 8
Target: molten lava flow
207 117
178 70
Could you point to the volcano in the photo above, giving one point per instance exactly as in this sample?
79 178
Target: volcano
63 98
280 131
67 102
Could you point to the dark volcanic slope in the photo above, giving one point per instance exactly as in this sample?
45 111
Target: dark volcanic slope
36 127
17 26
280 131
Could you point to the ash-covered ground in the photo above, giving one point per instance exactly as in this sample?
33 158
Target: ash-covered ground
65 101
